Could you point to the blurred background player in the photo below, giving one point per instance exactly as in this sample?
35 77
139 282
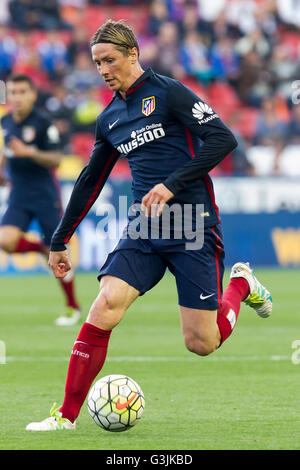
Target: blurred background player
31 155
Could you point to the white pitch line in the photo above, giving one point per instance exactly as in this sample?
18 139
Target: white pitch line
154 359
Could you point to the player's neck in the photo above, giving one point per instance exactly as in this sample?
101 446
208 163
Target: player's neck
19 116
132 79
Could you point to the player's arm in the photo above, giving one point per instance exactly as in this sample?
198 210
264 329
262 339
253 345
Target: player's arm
85 192
47 154
49 158
218 140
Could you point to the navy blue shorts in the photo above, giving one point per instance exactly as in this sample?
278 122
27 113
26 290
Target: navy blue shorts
198 273
21 217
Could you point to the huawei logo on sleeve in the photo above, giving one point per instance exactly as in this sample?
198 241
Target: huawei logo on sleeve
201 109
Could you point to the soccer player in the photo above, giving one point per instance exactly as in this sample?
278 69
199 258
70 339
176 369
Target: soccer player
172 140
31 154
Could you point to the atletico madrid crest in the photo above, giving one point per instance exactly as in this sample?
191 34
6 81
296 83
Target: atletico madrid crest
148 105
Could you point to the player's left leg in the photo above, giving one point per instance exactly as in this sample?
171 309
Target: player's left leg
205 330
200 330
207 316
48 221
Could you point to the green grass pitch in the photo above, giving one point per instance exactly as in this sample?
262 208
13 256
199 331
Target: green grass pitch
243 396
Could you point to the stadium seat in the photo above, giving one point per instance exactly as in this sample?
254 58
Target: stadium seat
200 90
121 170
292 41
223 99
94 16
82 144
247 122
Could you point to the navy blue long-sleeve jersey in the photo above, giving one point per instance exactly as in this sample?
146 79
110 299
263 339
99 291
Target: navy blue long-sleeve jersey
169 136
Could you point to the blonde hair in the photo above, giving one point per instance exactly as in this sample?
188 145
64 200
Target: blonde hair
117 33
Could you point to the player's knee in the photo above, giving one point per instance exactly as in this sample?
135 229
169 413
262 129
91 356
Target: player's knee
201 347
8 243
106 311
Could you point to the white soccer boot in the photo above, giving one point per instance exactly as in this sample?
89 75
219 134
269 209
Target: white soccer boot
54 423
259 298
71 317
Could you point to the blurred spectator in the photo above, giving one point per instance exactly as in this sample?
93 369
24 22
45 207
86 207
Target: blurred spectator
83 75
234 53
4 12
271 130
61 106
158 15
289 11
61 103
20 11
242 13
80 43
222 28
194 57
27 61
254 79
7 52
31 66
86 111
283 69
36 14
225 61
74 3
54 56
254 41
190 21
209 10
166 59
293 127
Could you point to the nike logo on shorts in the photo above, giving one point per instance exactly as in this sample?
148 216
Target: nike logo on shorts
203 297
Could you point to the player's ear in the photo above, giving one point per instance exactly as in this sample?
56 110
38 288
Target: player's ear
34 93
133 55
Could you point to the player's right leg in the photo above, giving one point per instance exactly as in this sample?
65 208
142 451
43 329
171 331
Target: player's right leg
14 224
89 351
129 271
14 240
9 238
49 220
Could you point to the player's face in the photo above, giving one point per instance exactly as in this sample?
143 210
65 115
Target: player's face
116 69
20 96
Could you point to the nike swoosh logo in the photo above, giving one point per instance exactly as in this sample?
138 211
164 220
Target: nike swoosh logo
121 406
203 297
112 124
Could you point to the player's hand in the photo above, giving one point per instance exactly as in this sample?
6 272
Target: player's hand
59 263
154 201
20 149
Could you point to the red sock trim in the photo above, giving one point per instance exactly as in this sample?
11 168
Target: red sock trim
25 245
93 335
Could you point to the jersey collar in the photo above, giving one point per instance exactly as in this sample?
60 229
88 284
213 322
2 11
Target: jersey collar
139 82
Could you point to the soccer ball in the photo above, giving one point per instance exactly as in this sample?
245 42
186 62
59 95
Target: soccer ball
116 402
